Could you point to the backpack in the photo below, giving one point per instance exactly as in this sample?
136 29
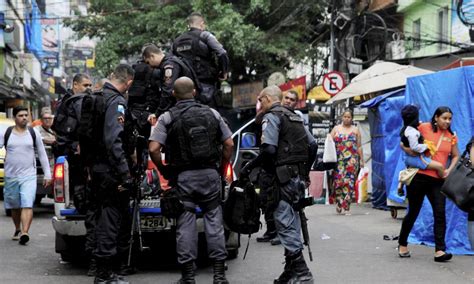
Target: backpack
193 137
188 71
9 130
91 126
241 208
65 120
188 48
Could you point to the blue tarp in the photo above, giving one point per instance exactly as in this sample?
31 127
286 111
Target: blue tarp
452 88
385 121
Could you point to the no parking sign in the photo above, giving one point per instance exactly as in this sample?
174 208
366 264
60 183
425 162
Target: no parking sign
333 83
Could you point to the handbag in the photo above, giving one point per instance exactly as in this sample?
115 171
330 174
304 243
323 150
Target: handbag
329 155
406 176
458 185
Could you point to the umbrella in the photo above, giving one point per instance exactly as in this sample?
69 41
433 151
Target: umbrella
379 77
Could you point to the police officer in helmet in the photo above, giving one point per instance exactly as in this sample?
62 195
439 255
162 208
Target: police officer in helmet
285 151
193 136
207 56
110 177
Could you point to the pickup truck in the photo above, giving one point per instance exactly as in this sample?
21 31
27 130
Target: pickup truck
155 228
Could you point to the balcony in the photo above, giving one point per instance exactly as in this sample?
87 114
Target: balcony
404 5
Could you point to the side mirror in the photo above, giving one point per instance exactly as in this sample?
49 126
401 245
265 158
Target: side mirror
249 140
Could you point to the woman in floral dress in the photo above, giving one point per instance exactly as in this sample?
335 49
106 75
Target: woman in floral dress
349 152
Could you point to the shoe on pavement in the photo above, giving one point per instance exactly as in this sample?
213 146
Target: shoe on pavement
267 237
275 241
16 235
443 258
24 238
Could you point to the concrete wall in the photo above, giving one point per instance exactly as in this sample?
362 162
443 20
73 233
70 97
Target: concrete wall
427 13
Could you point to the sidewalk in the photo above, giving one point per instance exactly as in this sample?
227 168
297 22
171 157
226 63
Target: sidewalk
355 251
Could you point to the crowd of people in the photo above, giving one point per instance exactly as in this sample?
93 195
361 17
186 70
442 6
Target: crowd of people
177 92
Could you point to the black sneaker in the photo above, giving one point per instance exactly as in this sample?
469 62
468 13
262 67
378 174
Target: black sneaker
24 238
275 241
16 235
266 238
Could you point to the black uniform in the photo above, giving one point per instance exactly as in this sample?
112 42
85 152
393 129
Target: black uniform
143 100
109 170
171 68
208 58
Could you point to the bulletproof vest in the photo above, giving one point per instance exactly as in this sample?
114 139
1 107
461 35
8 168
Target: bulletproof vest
293 140
143 86
193 137
187 47
187 71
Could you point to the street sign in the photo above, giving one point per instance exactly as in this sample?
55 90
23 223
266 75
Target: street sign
333 83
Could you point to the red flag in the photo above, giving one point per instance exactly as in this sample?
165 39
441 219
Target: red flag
298 85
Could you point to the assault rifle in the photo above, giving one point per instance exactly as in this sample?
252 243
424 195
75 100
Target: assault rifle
138 176
304 230
304 202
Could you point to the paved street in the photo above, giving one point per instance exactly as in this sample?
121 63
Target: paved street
347 249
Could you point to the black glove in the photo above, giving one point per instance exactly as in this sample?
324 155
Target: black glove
127 183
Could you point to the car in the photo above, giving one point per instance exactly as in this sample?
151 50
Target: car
4 124
154 228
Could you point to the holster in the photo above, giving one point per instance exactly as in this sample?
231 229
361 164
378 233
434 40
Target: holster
171 204
286 172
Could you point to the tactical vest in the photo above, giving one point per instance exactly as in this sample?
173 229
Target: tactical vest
193 137
141 84
292 140
187 47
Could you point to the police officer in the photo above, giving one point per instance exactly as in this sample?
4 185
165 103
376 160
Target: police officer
170 68
196 161
200 48
110 177
285 150
65 123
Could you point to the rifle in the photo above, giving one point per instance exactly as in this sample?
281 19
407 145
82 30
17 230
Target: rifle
136 191
304 230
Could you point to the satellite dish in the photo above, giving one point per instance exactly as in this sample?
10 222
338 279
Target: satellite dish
276 78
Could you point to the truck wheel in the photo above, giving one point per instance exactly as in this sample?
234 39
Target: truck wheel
66 256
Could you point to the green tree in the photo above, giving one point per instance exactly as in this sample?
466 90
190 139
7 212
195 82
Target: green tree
261 36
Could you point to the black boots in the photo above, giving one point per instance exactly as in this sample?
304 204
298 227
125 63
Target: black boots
105 275
92 267
295 271
287 273
219 272
187 273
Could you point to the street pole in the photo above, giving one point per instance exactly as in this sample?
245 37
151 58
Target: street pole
331 40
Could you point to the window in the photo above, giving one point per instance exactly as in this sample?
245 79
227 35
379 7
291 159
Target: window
416 34
442 28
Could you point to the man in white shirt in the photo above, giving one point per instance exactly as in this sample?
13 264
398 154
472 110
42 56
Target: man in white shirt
19 192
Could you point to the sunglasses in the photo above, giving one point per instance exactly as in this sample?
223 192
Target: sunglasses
87 85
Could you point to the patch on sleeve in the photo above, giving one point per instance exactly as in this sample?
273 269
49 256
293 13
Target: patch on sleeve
168 74
121 109
264 124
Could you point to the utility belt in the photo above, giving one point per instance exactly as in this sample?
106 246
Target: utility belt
294 194
173 204
286 172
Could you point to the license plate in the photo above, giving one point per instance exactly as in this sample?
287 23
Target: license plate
155 223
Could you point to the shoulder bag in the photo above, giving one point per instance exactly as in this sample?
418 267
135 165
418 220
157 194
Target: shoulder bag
459 184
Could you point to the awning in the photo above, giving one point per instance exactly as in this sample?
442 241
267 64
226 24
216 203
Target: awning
318 93
379 77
